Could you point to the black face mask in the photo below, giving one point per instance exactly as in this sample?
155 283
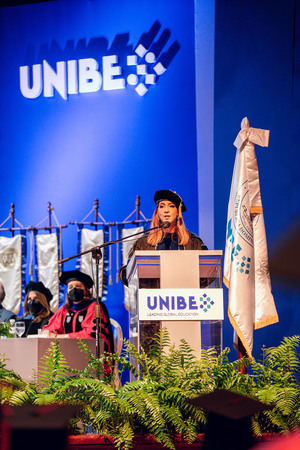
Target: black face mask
34 307
76 295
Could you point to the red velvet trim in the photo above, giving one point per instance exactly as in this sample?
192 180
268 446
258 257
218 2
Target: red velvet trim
140 440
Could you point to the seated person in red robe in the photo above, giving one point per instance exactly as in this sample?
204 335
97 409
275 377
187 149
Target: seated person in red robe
76 318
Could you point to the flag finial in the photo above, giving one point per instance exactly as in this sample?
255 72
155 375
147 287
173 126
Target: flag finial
245 123
252 135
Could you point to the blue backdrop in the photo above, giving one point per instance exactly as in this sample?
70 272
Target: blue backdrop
110 144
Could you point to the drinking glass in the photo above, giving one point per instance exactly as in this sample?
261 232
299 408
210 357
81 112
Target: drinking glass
20 328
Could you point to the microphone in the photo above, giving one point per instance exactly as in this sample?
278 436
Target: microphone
165 225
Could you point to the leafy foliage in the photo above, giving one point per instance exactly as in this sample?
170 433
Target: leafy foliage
275 383
14 390
156 402
54 368
5 329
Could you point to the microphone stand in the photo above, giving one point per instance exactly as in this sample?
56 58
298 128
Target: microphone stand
97 255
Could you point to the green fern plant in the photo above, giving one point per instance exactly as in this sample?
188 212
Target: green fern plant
53 368
152 404
9 382
167 377
275 383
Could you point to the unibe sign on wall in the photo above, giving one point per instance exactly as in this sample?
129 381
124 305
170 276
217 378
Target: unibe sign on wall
141 70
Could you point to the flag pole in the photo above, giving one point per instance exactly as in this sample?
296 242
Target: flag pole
241 354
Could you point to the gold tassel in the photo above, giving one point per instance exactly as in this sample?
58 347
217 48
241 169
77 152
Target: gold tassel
180 212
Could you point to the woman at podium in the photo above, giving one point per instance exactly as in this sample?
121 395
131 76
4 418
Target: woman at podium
168 232
76 318
173 234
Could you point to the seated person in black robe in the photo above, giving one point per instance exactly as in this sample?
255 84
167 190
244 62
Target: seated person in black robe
36 307
5 314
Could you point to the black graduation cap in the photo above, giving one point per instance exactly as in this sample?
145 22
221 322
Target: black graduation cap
172 196
39 287
71 275
228 419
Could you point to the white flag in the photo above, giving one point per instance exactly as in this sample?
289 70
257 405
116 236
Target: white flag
47 259
246 272
11 259
89 240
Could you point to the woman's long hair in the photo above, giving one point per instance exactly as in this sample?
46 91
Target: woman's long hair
87 296
45 312
156 236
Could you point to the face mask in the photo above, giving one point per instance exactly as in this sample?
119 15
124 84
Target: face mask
34 307
76 295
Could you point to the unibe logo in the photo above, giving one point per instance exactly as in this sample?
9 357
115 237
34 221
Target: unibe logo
171 302
142 69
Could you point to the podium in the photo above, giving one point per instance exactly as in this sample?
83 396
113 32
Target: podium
180 291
